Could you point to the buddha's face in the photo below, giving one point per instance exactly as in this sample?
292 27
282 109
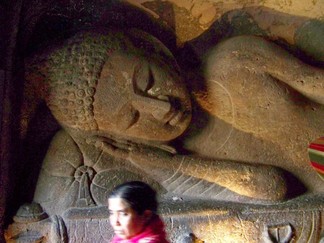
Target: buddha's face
141 98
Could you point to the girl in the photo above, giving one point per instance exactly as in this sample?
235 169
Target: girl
132 214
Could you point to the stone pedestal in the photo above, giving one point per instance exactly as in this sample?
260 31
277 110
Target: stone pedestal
206 82
190 220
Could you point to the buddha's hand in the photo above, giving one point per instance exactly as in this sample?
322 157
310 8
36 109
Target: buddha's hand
117 148
130 151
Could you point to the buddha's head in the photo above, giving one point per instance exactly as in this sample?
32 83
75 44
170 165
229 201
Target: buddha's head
118 83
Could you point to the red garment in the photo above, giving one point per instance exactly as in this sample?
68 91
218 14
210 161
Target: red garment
153 233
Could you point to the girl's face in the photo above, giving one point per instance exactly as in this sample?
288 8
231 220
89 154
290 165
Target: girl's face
125 221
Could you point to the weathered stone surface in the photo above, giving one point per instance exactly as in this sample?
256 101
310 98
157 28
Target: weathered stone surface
238 110
191 220
33 225
131 92
270 78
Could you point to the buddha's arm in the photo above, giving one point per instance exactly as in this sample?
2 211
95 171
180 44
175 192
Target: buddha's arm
256 181
302 32
247 54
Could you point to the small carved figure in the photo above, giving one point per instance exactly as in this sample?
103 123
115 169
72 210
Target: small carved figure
32 224
282 233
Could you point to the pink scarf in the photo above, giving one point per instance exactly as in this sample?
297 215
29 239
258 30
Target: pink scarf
153 233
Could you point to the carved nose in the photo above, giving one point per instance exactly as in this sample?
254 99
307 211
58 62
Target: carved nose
157 107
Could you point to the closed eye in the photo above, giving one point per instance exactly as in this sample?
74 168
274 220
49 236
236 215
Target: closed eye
143 79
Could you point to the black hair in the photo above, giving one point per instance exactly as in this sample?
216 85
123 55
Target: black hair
139 195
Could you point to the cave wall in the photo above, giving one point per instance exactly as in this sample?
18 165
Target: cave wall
26 26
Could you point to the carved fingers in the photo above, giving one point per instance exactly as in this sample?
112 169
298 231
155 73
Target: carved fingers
118 149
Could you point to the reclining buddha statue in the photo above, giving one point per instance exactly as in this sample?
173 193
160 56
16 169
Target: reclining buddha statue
120 98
